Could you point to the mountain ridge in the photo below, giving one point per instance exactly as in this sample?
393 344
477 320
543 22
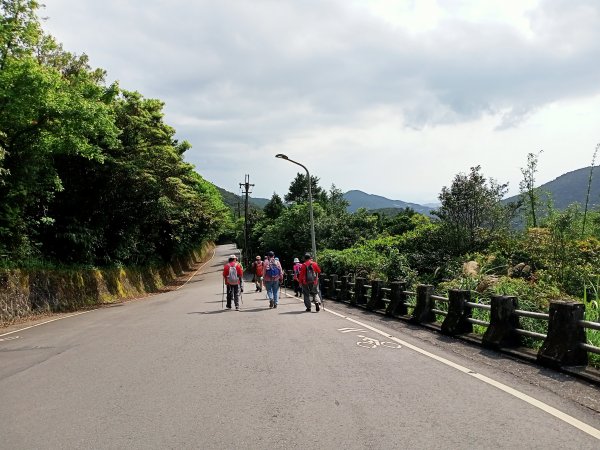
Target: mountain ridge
359 199
564 190
568 188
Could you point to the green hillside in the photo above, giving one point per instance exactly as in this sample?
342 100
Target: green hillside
571 188
232 200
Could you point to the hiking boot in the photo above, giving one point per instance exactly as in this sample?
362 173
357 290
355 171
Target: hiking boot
317 306
275 305
307 309
237 308
228 306
270 303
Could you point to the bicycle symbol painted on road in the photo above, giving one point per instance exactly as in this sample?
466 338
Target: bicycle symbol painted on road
368 342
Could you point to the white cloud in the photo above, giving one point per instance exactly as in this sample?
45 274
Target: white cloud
391 97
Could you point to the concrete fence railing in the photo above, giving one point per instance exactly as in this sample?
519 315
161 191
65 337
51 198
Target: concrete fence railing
564 344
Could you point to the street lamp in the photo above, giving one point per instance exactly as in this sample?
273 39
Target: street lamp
310 203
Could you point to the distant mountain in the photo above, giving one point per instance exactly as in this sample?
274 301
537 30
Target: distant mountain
564 190
260 202
570 188
360 199
232 200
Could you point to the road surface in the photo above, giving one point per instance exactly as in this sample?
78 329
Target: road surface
178 371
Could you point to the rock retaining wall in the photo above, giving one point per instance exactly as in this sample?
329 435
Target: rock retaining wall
25 292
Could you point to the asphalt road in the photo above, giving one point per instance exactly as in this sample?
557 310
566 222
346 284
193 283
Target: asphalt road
176 370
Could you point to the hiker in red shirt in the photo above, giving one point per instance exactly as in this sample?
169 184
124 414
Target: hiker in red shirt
257 270
233 274
309 280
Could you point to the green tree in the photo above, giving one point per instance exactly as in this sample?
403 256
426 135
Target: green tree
274 207
20 31
44 117
471 212
289 235
298 191
88 173
335 202
406 220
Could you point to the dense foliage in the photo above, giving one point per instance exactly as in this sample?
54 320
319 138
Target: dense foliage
469 244
89 173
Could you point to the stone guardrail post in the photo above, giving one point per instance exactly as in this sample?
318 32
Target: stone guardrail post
397 304
333 286
359 289
376 300
458 313
503 323
323 285
561 347
344 289
423 310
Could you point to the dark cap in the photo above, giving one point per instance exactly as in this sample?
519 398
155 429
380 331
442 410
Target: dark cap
307 256
271 253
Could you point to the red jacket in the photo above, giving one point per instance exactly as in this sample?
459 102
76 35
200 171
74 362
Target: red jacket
257 268
238 269
316 268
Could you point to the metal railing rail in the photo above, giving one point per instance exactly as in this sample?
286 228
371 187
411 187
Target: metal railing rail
590 348
532 314
479 306
531 334
588 324
375 295
478 322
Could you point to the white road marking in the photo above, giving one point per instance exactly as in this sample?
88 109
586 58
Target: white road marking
194 274
90 310
350 330
520 395
48 321
12 338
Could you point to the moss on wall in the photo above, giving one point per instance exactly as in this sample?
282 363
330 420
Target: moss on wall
27 292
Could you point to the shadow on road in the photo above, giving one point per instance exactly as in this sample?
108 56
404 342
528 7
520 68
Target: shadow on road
253 309
294 312
219 311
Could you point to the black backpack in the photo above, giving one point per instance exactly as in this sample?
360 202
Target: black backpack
311 275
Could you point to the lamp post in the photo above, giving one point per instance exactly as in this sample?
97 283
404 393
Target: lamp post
310 203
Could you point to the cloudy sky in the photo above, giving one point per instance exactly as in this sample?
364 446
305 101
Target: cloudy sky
392 97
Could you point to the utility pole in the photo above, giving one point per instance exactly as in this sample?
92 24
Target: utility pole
246 190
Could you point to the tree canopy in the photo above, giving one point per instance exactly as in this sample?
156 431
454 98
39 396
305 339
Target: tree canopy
89 173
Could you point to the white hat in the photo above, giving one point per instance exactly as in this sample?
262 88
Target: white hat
233 256
296 260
